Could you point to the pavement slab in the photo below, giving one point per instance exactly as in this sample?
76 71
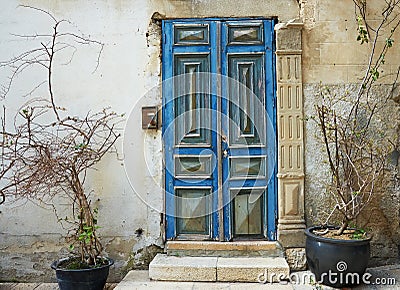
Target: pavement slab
41 286
140 280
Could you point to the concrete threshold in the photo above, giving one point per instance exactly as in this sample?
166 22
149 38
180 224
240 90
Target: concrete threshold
224 249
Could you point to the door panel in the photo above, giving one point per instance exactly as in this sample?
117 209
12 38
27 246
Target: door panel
190 143
193 166
248 163
191 34
245 32
248 214
251 167
190 104
248 72
218 129
193 211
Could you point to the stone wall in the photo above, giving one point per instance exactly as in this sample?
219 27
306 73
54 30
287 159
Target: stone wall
331 54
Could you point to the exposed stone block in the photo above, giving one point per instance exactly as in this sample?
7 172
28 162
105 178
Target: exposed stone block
296 258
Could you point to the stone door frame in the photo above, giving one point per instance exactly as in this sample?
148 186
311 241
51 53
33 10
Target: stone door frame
290 132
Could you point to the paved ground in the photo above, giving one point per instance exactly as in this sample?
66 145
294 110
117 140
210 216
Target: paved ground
139 280
383 275
39 286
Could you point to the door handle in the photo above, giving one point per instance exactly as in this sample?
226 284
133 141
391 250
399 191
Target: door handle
225 146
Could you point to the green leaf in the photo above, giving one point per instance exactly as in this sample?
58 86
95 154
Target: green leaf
374 73
389 42
382 58
71 247
359 234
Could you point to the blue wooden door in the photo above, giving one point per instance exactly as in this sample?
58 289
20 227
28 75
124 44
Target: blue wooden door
219 128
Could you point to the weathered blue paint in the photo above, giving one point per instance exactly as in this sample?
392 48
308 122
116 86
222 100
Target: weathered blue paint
272 138
220 56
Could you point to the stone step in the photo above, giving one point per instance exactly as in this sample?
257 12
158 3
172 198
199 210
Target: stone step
224 249
221 269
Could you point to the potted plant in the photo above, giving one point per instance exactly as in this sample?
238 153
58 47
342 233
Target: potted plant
51 163
356 145
49 153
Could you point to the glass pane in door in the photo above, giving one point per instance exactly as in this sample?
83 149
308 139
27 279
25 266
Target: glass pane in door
193 211
248 213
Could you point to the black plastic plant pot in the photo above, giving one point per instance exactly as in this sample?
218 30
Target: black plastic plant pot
81 279
337 263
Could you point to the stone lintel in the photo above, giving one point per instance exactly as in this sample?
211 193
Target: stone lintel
288 36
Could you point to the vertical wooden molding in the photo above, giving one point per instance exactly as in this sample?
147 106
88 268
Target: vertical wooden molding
291 223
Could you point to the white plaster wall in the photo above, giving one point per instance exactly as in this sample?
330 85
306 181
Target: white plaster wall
118 83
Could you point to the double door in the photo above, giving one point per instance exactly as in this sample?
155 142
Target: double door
219 129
